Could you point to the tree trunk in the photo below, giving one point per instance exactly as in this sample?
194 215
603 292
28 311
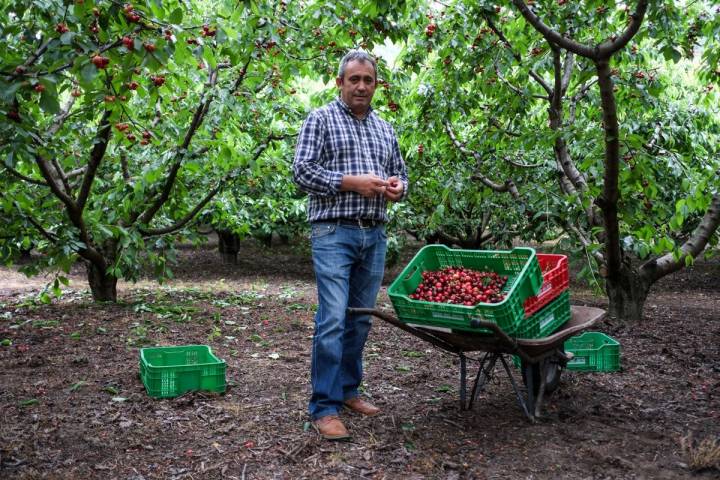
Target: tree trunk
627 294
102 285
229 246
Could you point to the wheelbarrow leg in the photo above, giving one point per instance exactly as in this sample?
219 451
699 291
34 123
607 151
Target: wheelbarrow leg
484 375
527 409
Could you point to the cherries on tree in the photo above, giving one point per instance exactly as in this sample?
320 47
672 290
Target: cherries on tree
100 62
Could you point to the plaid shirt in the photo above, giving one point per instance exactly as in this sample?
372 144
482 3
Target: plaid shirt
333 142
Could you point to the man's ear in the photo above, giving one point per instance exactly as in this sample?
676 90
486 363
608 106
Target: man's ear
338 81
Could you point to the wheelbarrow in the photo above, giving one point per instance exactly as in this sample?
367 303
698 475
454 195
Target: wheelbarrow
541 359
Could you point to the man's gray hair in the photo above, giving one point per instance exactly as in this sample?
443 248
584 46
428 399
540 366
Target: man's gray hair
356 55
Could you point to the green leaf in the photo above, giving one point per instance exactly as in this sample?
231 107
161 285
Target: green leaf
7 90
78 385
49 102
67 38
88 74
176 16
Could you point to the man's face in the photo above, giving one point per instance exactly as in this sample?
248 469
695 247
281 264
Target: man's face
357 86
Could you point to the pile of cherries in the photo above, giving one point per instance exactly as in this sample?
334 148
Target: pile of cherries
461 286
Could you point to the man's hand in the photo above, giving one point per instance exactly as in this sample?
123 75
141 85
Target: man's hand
367 185
394 189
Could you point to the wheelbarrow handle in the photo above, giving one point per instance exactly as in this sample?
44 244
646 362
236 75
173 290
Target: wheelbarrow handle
428 337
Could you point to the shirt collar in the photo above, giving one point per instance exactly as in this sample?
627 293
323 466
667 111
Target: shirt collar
345 107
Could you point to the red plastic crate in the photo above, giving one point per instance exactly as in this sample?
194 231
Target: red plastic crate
556 279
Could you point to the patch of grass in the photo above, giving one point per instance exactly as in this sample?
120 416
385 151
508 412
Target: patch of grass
177 313
237 299
286 293
45 323
138 336
702 455
295 307
412 354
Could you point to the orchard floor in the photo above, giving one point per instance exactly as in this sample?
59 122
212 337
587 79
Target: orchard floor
72 405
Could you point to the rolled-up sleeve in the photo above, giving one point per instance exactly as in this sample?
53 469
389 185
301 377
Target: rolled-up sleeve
397 166
308 172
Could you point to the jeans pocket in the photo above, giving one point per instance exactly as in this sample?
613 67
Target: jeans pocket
320 230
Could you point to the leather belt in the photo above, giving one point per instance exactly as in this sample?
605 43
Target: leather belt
357 222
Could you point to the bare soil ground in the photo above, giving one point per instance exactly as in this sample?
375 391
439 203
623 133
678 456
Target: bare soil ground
72 405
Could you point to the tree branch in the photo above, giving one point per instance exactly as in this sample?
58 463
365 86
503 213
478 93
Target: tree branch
568 68
60 118
606 49
24 177
579 95
96 155
478 158
551 35
541 81
516 89
611 192
693 247
190 215
522 165
46 171
200 111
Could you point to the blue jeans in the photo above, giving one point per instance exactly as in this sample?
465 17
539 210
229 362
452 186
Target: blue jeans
349 262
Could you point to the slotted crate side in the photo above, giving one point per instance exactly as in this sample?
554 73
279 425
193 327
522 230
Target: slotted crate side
171 371
519 265
593 352
548 319
556 279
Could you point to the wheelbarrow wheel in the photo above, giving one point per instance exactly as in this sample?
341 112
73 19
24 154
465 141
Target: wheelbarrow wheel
552 375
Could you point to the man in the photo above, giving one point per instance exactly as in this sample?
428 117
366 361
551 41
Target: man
348 160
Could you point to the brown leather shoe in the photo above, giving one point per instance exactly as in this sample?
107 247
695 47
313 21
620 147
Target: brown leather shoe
331 428
359 405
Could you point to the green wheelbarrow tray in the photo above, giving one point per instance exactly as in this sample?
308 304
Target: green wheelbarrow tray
542 359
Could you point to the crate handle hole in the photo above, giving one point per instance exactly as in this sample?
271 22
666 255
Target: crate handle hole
411 273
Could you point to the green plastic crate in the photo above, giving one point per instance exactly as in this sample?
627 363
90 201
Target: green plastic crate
519 264
593 352
171 371
545 322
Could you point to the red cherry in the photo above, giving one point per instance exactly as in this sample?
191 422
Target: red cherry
61 28
132 16
128 42
39 87
100 62
150 47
